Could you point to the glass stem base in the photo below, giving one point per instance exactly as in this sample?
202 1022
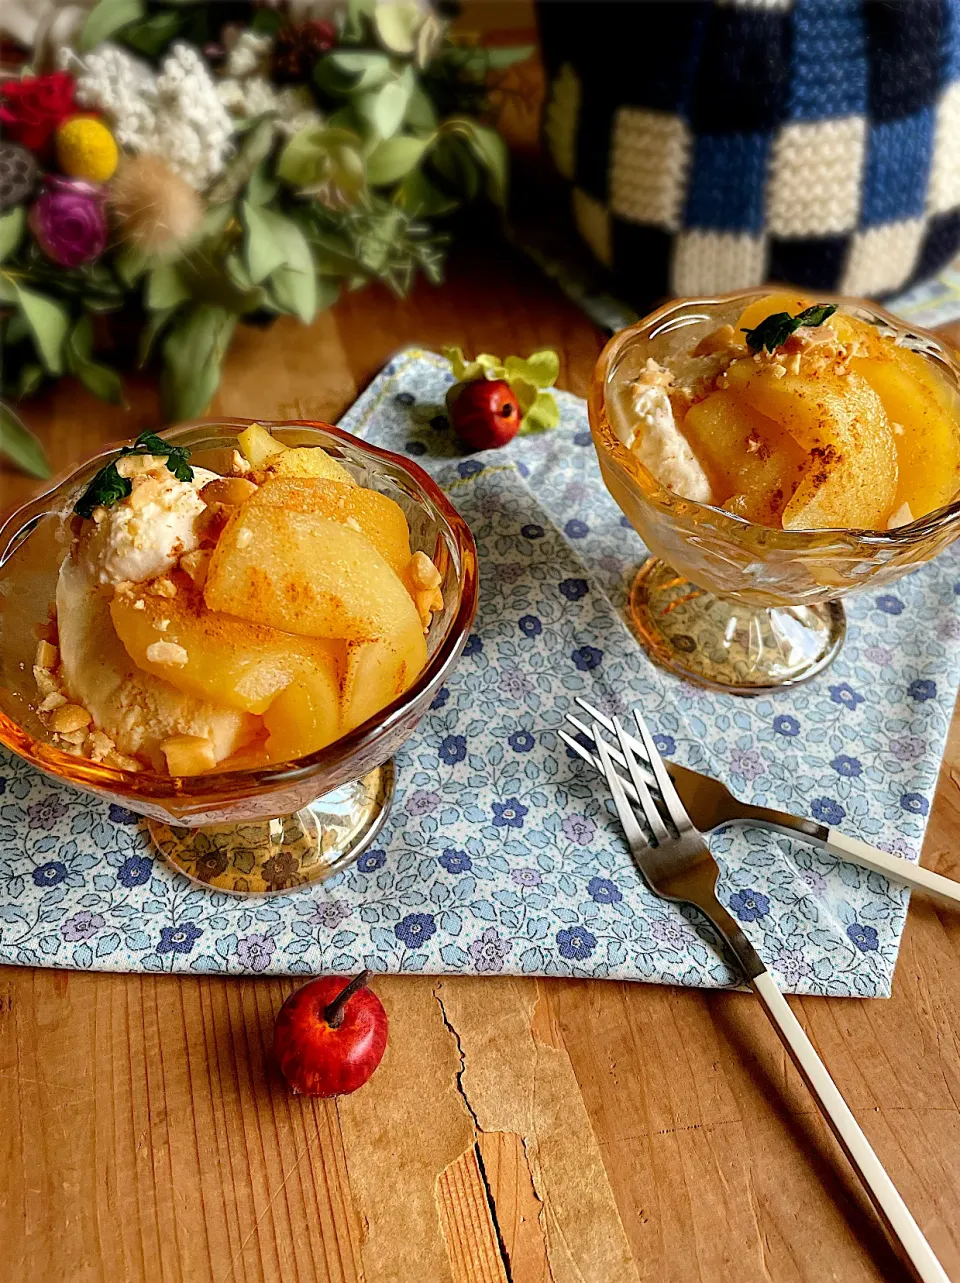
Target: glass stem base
725 644
270 857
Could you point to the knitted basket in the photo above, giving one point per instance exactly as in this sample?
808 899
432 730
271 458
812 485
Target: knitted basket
712 146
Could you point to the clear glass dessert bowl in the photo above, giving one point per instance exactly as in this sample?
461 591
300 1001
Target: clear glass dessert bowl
242 828
722 601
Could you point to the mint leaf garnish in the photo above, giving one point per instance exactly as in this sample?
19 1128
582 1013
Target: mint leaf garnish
774 330
107 486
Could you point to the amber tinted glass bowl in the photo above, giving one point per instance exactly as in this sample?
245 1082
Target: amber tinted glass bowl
724 601
200 820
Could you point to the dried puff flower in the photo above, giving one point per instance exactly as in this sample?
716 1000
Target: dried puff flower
157 211
249 54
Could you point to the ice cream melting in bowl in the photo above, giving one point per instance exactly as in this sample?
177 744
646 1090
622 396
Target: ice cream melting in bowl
245 826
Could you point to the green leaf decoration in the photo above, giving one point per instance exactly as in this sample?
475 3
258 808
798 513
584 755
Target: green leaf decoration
238 171
108 486
394 158
262 187
193 351
421 198
48 323
776 329
12 226
542 415
151 36
96 378
325 162
342 74
421 114
263 252
216 221
509 56
165 287
384 108
129 266
397 25
541 368
31 376
20 446
105 19
148 335
488 148
294 284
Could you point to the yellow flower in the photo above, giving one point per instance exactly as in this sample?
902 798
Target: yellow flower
86 149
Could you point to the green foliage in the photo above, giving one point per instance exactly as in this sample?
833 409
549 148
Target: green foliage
107 486
776 329
20 446
528 377
106 18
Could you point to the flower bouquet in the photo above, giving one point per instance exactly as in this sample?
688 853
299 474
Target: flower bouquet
191 165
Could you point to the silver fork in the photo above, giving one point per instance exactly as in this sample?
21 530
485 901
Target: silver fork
678 866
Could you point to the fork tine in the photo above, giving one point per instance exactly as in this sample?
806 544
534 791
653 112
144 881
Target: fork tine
607 724
594 760
615 753
669 794
634 833
660 830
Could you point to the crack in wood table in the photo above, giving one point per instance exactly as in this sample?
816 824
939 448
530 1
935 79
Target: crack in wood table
536 1131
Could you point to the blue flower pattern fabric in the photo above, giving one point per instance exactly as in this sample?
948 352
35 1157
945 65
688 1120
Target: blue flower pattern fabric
501 854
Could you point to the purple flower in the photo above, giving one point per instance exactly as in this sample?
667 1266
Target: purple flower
604 891
45 813
422 803
574 589
881 655
49 874
576 942
749 906
576 529
532 531
814 880
949 629
453 749
370 861
784 725
120 815
922 689
848 767
865 938
470 468
666 744
586 657
748 763
579 829
890 605
515 684
82 925
915 803
474 646
530 625
415 929
844 694
792 965
135 871
255 951
826 810
440 698
526 877
325 913
575 491
488 952
509 814
179 939
669 932
455 861
907 747
898 846
68 222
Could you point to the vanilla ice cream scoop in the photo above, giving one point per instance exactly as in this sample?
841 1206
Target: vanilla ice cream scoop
655 439
142 535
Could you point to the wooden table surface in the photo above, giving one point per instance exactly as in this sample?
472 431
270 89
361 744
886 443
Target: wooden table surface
525 1130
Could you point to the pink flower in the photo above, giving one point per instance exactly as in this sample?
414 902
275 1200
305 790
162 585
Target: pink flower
68 222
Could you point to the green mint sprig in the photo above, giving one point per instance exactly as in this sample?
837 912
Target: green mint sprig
774 330
107 487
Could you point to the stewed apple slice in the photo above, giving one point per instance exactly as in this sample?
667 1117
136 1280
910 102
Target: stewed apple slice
305 717
304 574
376 516
377 672
264 451
212 655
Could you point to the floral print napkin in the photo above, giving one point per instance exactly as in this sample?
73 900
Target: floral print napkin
500 854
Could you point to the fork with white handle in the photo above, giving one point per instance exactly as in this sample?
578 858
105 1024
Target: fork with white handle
710 804
677 865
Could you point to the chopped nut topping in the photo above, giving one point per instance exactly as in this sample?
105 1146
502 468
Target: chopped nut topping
47 655
140 604
423 573
231 491
132 465
164 652
162 587
239 466
50 702
78 737
46 682
196 564
145 490
122 762
100 746
68 718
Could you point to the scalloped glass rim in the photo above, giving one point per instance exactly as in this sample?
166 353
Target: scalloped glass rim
680 312
243 783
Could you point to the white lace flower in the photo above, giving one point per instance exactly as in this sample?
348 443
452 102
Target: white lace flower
249 55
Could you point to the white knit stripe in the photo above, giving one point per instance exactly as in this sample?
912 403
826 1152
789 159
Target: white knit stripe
943 191
593 222
561 119
710 262
816 171
774 5
881 258
649 167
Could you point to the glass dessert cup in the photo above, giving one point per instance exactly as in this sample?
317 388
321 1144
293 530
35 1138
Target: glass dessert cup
243 828
721 601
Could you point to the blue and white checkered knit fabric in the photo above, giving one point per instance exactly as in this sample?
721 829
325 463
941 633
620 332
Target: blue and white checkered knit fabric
711 146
